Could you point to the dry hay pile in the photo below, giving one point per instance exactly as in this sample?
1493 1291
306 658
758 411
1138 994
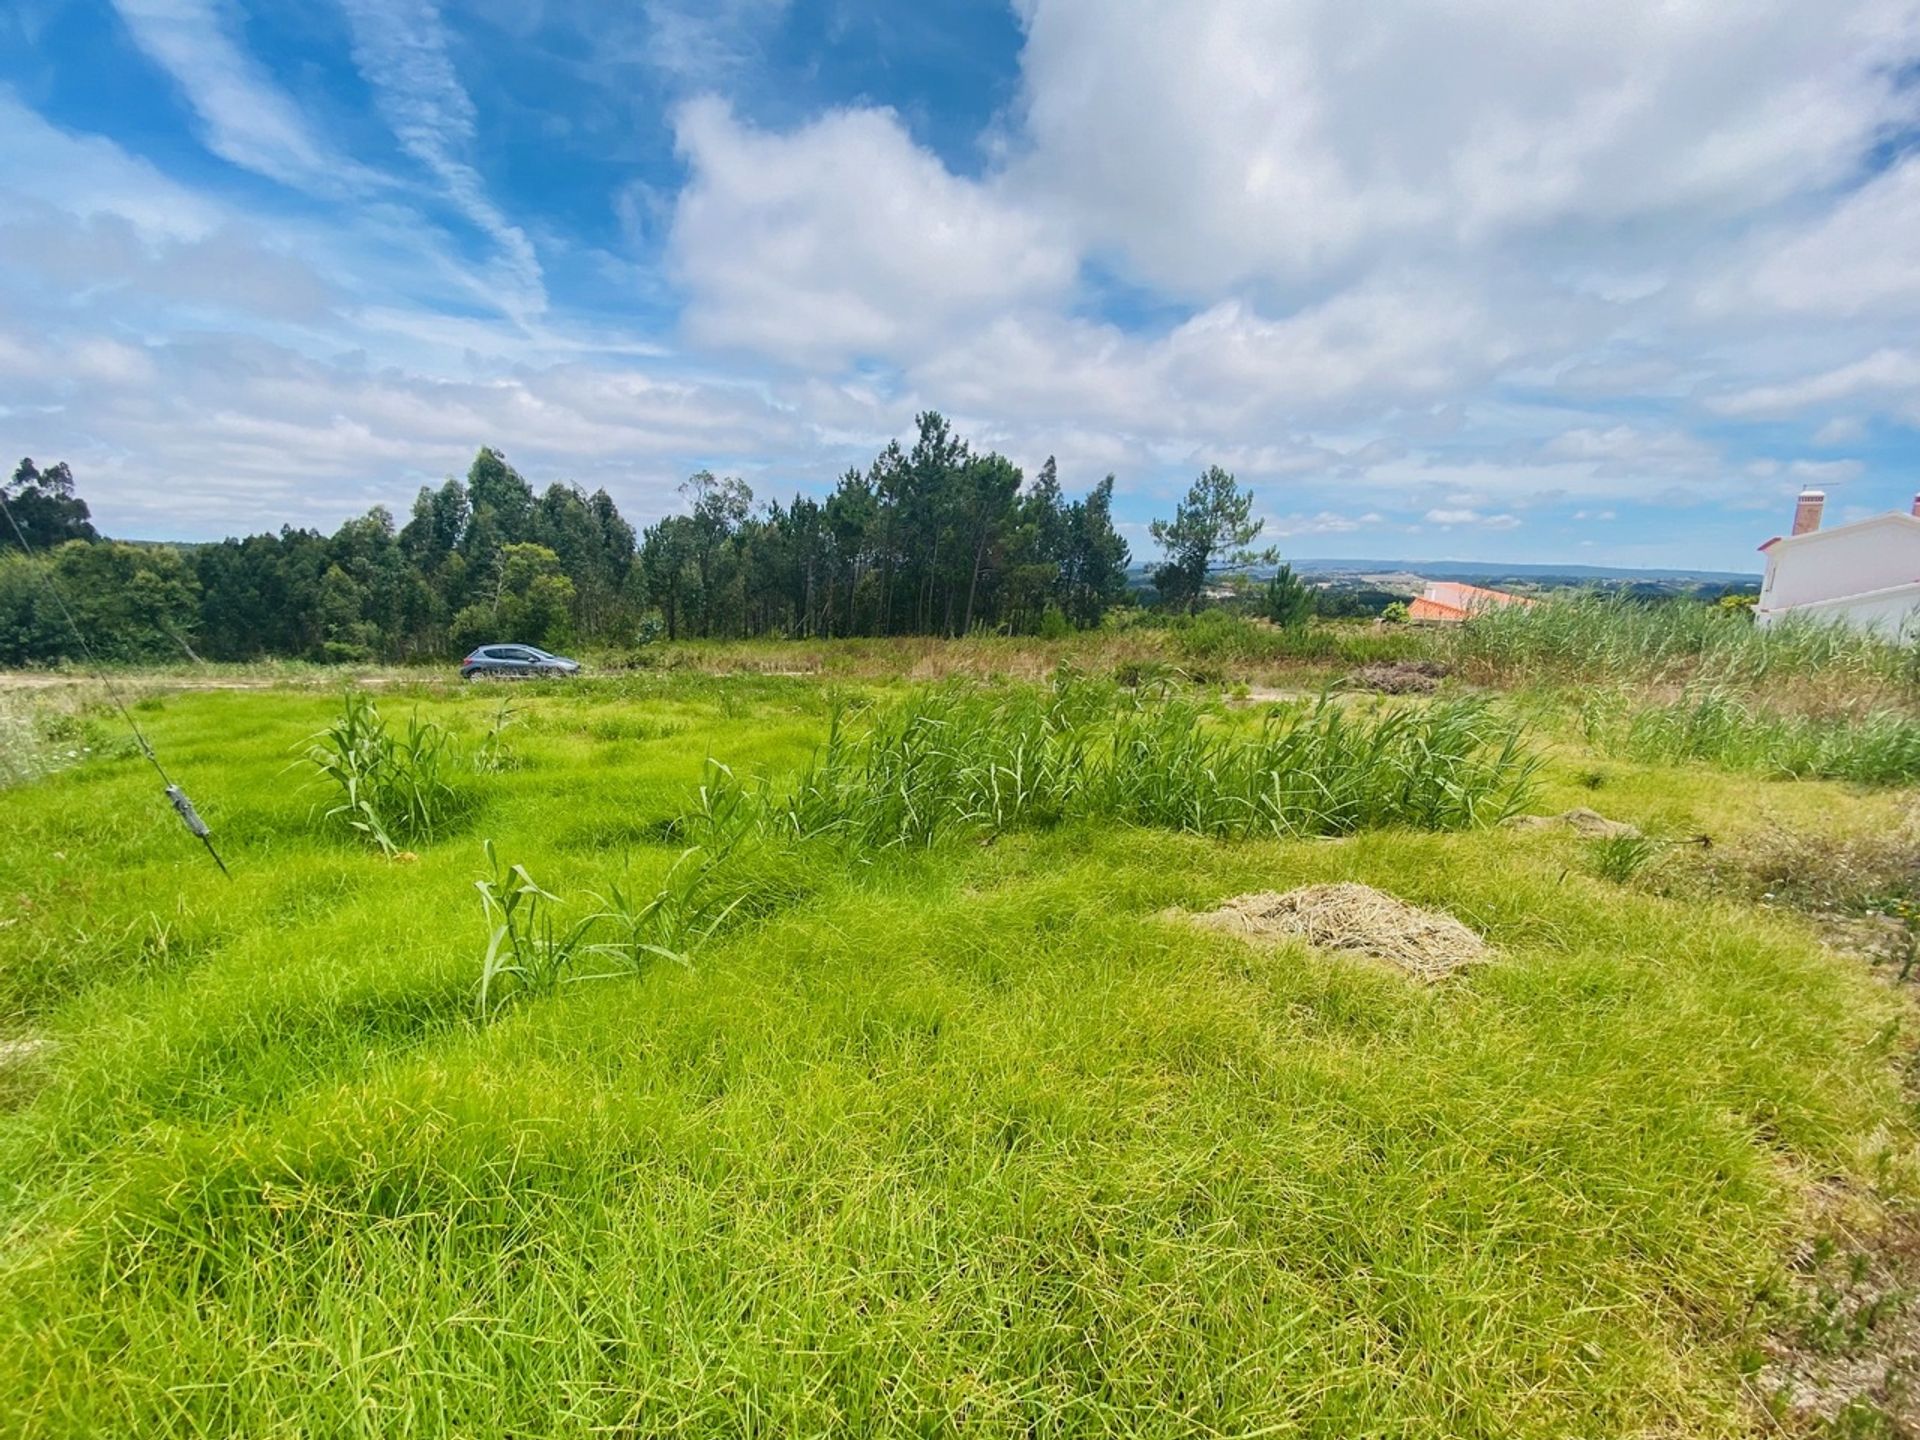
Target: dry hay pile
1426 944
1399 677
1584 822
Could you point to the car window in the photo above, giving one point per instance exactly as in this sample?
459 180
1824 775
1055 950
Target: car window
513 654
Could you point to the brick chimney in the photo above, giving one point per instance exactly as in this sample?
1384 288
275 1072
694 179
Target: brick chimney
1806 515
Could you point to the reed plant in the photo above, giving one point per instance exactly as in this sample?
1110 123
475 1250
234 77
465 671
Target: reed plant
1621 638
389 788
1877 745
951 761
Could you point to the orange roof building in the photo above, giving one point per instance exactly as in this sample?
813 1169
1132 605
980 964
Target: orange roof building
1447 602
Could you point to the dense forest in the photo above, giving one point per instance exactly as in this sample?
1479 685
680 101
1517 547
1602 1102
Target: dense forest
934 538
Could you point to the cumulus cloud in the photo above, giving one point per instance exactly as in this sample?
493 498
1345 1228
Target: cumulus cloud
1859 259
844 239
1451 263
1885 373
1212 144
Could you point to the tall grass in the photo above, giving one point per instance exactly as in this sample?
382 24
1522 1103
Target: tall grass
1219 636
952 761
39 736
1618 637
531 951
1877 746
388 788
970 1141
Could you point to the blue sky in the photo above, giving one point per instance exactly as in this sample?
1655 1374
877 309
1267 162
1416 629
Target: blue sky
1438 278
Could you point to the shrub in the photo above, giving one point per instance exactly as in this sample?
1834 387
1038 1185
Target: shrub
1287 602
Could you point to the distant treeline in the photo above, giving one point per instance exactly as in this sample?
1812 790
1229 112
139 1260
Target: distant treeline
933 539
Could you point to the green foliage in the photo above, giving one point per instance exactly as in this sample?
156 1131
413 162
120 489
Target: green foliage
1054 625
529 951
954 762
1214 524
680 916
1616 637
132 602
1872 746
44 508
390 789
530 602
1216 637
494 755
1396 613
978 1138
1620 858
1287 602
935 539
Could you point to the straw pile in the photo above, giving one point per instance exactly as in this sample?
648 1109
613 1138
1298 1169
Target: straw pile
1426 944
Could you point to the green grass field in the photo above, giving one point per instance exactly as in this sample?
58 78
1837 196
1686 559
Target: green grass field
962 1135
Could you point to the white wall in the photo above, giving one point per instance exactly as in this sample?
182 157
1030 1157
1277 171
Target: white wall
1847 561
1894 613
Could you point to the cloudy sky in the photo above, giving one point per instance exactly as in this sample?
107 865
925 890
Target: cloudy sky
1439 278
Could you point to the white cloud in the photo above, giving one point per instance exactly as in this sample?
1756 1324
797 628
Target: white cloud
245 118
401 49
1447 519
1886 372
1217 143
264 435
1858 259
844 239
86 175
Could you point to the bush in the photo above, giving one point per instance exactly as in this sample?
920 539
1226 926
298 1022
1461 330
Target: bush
1287 602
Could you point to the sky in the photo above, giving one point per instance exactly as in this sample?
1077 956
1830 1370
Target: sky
1475 279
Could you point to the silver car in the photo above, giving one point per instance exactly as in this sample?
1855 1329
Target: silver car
515 662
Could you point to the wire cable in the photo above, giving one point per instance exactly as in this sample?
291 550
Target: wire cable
176 797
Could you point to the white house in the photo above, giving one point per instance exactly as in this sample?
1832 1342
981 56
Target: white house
1866 574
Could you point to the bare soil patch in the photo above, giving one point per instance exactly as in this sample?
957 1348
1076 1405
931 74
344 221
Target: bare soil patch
1426 944
1846 1359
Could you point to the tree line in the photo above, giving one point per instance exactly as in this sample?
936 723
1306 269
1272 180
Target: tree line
933 538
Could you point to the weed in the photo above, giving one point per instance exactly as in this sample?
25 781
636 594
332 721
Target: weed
494 756
389 788
1878 746
681 916
1618 638
528 953
1620 858
952 762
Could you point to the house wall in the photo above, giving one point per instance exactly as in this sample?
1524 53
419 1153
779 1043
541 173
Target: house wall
1841 562
1891 612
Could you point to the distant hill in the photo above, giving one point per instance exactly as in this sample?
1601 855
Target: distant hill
1485 569
1488 571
